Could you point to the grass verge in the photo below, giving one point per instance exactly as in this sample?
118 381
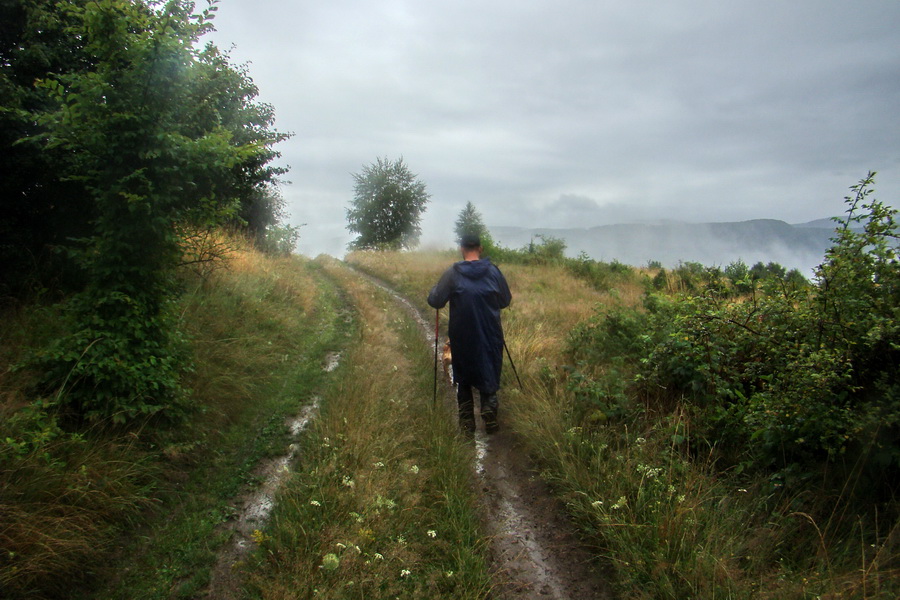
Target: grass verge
260 334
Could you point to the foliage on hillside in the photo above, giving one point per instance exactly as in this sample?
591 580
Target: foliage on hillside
786 394
128 141
786 377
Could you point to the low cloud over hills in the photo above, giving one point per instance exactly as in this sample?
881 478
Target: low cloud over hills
793 246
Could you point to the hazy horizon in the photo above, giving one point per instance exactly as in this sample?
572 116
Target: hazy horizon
574 113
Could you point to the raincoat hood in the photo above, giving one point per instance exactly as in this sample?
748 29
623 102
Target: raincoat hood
473 269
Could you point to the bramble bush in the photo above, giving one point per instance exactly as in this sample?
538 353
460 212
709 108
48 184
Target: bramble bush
782 376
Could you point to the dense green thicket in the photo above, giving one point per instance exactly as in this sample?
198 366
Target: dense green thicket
789 379
65 55
124 139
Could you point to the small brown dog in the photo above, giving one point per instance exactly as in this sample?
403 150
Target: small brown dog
447 360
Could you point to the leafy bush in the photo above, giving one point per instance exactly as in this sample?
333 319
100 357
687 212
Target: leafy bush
785 377
160 137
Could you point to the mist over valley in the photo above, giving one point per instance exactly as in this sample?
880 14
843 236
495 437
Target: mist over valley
795 246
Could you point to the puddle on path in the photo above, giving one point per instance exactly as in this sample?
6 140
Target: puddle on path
332 360
257 505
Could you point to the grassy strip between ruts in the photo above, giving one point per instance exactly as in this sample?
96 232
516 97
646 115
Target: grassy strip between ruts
381 504
260 331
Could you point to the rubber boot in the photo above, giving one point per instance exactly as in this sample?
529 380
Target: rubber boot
489 408
466 402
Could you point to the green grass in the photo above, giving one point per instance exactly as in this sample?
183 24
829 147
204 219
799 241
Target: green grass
138 514
260 336
381 503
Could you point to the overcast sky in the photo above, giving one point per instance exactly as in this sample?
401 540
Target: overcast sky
570 113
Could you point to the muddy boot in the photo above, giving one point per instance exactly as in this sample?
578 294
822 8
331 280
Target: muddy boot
466 403
489 408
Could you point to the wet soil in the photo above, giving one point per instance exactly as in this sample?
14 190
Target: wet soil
256 506
535 549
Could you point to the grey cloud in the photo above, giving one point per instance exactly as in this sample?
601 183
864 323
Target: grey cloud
576 111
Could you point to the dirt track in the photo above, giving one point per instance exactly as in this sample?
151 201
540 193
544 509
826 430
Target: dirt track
535 548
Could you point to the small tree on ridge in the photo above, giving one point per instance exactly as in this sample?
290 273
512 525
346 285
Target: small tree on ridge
387 206
470 222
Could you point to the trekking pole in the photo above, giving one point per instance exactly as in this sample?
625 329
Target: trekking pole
512 364
437 324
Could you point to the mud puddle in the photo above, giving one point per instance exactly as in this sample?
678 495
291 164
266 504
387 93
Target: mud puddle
535 548
257 504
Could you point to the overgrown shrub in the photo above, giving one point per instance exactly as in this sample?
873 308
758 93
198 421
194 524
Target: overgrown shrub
785 378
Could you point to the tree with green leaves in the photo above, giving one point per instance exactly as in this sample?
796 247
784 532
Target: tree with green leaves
387 206
38 209
154 135
45 200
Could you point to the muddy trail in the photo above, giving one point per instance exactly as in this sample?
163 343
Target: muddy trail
256 505
535 549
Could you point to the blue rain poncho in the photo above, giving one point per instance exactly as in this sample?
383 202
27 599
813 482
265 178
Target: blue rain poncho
477 291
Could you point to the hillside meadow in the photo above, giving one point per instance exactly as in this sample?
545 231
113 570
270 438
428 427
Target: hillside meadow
677 512
615 409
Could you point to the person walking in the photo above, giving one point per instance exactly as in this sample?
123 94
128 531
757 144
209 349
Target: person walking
477 291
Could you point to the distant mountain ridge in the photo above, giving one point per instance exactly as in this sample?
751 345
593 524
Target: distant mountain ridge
799 246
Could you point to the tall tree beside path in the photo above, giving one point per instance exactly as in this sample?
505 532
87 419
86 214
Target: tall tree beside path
152 134
387 206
